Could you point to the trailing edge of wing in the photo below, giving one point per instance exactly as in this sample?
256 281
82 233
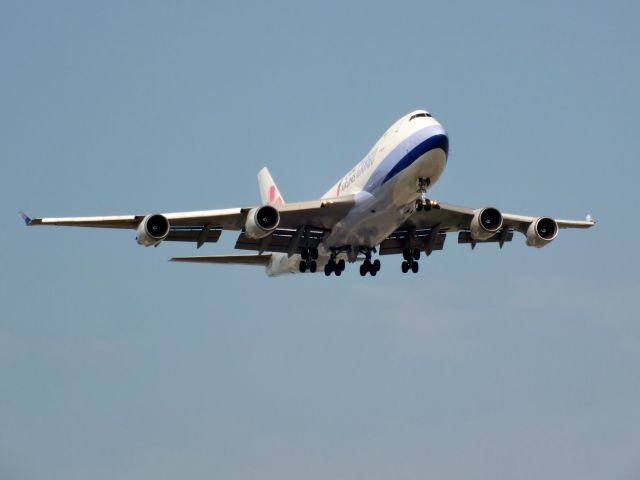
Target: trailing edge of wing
228 259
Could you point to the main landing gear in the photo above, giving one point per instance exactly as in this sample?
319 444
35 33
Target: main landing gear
308 262
334 267
411 258
368 266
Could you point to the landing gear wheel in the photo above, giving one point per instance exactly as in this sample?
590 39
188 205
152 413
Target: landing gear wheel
304 253
363 270
313 266
303 266
418 205
327 270
373 272
405 266
313 253
406 254
416 254
338 272
341 265
414 267
376 265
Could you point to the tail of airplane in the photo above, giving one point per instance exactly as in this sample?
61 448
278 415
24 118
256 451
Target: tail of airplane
269 193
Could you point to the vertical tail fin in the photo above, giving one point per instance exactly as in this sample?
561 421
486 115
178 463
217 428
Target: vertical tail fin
269 193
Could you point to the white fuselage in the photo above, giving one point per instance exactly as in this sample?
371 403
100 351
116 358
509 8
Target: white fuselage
385 185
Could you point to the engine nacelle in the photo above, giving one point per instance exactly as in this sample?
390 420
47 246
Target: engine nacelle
152 230
542 231
261 221
485 223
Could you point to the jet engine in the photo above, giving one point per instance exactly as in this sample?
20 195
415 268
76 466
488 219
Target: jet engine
261 221
152 230
541 231
485 223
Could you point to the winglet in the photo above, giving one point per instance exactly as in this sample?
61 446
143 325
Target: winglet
25 217
590 219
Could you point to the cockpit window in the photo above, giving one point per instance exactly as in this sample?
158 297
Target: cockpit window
421 114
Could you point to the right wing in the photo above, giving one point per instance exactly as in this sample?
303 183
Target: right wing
428 229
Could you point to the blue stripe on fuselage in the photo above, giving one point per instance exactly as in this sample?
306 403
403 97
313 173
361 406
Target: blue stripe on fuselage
406 153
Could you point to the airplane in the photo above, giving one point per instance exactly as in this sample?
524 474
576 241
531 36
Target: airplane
379 207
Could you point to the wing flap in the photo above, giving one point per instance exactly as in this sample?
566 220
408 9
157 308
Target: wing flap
283 240
262 260
424 239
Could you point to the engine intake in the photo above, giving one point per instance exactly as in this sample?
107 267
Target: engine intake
261 221
485 223
152 230
541 232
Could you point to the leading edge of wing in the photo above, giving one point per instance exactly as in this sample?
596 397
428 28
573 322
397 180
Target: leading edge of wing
522 222
231 218
112 221
262 260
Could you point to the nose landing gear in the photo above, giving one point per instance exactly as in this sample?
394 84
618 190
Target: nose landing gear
423 203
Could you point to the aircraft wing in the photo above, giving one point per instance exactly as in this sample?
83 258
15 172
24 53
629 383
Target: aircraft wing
456 218
427 229
207 225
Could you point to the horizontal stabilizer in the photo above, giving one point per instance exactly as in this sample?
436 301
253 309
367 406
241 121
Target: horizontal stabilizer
228 259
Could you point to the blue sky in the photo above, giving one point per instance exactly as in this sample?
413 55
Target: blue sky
488 364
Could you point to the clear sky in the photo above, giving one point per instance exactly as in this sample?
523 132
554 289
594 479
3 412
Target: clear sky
116 364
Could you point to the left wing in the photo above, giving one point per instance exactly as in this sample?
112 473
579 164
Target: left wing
207 225
427 229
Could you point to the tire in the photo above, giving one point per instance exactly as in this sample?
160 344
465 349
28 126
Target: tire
376 265
363 270
327 270
313 266
341 265
338 273
373 272
414 267
303 266
406 254
416 254
304 253
313 253
405 267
